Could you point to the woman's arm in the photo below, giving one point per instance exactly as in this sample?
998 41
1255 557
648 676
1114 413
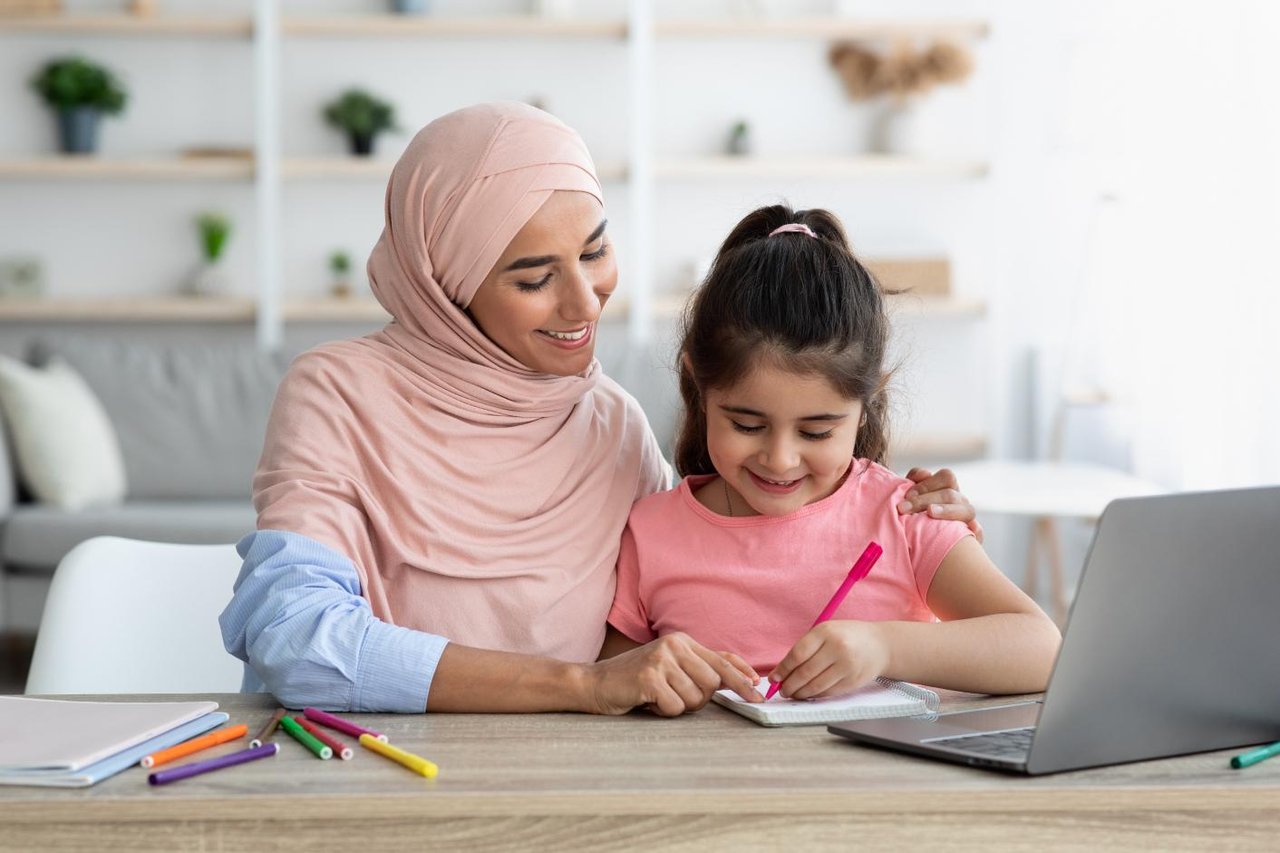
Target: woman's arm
994 639
671 675
298 620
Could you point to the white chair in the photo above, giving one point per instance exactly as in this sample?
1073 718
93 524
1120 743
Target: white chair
126 616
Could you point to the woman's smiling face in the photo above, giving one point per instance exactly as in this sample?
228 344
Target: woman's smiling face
542 300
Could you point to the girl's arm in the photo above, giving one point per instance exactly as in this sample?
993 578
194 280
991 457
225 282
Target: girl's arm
993 639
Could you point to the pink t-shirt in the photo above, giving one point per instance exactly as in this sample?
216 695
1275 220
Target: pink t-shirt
754 585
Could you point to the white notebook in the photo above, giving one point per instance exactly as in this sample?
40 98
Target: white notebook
883 698
68 735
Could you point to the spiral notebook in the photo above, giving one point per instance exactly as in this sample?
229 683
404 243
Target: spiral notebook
883 698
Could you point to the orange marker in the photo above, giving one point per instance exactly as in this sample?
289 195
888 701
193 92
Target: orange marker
164 756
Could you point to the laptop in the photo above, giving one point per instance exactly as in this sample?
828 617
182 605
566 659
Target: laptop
1170 648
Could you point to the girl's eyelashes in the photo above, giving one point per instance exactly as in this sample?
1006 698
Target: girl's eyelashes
808 436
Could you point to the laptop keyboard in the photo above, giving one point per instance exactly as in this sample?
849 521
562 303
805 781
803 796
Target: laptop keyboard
1011 744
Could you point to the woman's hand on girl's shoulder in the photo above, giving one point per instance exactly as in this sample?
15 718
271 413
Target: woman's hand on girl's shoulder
833 658
672 675
939 495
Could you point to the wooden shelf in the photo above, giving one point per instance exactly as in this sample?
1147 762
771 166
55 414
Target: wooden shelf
126 309
361 168
667 306
94 167
826 28
818 167
162 309
939 446
219 26
506 26
329 310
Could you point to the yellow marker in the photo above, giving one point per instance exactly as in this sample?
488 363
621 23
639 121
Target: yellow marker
414 762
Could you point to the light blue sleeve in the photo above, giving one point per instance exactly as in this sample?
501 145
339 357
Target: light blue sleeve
306 635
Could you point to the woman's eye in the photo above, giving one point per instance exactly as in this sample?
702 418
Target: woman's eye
816 436
749 430
598 253
533 286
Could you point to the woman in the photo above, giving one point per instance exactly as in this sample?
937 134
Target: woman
440 503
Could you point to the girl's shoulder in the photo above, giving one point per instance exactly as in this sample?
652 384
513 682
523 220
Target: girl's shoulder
661 507
872 480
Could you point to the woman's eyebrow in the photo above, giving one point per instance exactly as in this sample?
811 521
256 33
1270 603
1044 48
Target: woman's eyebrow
543 260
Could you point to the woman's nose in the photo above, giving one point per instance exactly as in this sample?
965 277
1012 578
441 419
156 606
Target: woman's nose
579 303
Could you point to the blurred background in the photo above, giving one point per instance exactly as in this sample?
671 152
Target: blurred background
1077 199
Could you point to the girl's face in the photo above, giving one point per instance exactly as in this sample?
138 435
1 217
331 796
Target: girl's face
780 440
543 297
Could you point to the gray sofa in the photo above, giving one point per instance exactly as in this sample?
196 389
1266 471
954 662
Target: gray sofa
190 421
190 418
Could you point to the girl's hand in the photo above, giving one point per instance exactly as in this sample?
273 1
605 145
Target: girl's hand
832 659
671 675
940 495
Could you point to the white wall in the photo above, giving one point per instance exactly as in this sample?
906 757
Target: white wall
1039 107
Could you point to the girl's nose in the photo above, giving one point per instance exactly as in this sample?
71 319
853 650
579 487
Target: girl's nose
780 456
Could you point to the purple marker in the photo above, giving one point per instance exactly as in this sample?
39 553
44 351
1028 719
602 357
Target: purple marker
324 718
164 777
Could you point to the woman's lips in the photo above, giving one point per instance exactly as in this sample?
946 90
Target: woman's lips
585 335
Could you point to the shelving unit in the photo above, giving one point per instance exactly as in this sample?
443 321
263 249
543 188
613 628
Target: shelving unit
819 168
270 168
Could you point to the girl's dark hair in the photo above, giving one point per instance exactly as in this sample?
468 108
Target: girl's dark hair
805 305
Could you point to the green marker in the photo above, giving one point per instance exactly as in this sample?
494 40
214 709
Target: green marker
1253 756
290 725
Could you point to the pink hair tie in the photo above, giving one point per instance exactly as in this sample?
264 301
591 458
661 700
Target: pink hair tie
794 227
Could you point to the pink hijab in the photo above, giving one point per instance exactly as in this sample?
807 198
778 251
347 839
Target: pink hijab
478 499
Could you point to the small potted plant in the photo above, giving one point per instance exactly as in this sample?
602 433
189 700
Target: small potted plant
208 278
340 266
362 116
81 92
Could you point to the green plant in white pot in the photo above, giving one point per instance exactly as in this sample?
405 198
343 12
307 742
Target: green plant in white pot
208 279
80 92
362 116
340 268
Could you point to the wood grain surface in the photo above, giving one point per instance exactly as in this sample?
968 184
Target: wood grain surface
710 780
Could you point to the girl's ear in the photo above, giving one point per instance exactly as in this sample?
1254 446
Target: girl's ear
686 368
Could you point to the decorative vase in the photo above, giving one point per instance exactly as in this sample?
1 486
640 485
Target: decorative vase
207 279
361 144
893 128
78 129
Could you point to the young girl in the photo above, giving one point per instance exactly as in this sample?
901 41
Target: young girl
782 374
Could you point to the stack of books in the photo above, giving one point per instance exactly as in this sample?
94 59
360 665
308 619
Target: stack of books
72 744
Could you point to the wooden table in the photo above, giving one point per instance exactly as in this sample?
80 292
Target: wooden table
707 780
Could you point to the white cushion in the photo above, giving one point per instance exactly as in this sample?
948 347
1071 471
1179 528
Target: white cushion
65 447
